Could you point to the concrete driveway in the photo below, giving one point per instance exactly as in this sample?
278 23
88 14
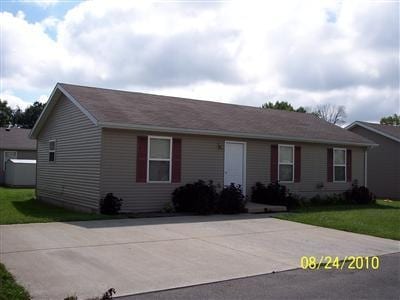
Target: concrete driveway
54 260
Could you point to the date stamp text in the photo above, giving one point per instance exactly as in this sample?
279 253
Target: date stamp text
334 262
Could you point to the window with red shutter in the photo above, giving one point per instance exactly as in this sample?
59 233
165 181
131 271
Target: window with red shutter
141 159
286 163
297 164
339 165
159 159
348 165
176 159
274 163
329 166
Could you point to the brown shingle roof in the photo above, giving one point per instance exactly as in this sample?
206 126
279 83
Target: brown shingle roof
391 130
16 139
130 108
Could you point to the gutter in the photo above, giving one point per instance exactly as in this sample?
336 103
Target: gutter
227 134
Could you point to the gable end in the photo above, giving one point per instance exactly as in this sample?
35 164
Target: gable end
51 103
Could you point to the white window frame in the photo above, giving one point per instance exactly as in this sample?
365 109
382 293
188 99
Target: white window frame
4 157
286 164
52 151
340 165
159 159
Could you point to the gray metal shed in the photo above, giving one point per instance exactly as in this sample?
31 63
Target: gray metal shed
20 172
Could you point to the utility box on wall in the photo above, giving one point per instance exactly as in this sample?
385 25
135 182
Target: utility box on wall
20 172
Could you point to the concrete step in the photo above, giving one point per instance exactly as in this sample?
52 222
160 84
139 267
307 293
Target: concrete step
254 208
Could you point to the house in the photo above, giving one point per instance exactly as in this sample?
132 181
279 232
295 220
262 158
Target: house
15 143
93 141
384 161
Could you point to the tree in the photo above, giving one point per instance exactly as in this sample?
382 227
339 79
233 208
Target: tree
5 113
283 105
17 117
331 113
301 109
31 114
391 120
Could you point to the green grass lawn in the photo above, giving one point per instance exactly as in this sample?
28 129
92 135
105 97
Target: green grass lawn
9 289
20 206
381 219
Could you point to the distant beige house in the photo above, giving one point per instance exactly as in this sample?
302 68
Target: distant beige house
93 141
383 161
15 143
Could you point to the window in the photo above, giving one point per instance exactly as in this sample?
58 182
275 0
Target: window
339 165
286 163
52 151
159 159
7 156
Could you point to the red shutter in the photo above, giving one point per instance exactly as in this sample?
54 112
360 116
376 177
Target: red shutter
141 159
330 165
348 165
176 159
274 163
297 163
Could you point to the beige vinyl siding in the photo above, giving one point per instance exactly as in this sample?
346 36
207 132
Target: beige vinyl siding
73 179
203 158
313 168
383 164
21 154
314 171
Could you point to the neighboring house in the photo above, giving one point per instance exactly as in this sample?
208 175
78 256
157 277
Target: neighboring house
15 143
383 161
140 147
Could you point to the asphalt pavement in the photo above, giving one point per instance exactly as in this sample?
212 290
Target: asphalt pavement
383 283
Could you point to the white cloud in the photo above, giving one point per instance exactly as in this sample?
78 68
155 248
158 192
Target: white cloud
304 53
49 22
13 101
42 3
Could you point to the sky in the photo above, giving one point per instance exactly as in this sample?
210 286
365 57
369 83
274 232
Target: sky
244 52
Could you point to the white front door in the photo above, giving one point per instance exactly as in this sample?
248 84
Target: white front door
235 164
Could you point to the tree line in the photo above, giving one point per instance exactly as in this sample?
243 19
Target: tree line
335 114
18 117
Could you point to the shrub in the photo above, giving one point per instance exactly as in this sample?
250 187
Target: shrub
336 199
333 199
110 205
316 200
198 197
295 201
168 208
231 200
273 194
259 193
277 194
359 195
